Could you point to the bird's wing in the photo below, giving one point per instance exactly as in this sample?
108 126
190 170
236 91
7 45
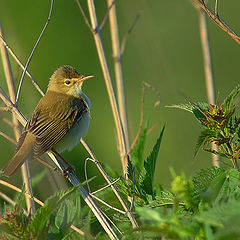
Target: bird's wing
52 124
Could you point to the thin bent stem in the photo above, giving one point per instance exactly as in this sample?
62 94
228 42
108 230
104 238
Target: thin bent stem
34 48
118 69
108 82
12 93
106 177
210 84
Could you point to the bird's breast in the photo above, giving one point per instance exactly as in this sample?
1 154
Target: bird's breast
76 132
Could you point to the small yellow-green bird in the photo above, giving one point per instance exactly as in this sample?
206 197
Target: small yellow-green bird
59 121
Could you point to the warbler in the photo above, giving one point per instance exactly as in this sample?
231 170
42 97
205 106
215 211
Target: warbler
59 121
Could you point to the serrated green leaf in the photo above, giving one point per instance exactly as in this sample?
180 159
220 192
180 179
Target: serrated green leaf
69 211
228 103
137 152
130 169
189 107
203 179
205 136
231 185
198 113
147 174
184 106
166 198
222 214
51 204
214 189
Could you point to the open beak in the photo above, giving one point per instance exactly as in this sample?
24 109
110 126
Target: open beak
84 79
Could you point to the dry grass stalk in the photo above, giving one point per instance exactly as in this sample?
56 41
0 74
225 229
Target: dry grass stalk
118 69
108 82
16 128
209 78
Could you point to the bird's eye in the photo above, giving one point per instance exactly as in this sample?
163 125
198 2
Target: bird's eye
67 82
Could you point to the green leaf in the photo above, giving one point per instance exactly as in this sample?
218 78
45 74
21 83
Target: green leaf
147 174
189 107
205 136
203 179
228 103
231 185
68 211
165 198
184 191
137 152
51 204
213 191
224 216
130 169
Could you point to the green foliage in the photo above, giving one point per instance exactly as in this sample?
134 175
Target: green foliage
203 207
220 124
228 103
137 152
52 221
43 214
147 173
142 178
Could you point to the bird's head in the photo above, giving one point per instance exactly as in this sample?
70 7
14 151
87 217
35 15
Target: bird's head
67 80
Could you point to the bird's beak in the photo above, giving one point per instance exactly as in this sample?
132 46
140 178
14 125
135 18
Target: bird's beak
84 79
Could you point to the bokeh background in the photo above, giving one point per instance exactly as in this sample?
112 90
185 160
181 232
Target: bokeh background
163 49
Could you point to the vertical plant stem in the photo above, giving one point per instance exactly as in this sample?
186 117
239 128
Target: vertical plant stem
118 69
12 94
210 84
108 82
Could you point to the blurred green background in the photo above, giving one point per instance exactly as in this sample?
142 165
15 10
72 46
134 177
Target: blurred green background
163 49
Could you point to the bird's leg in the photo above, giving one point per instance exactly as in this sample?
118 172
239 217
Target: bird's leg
69 166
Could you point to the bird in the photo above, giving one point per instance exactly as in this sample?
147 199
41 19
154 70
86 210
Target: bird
58 122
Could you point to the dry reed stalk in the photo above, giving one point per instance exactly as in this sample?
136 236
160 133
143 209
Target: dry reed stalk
108 82
209 78
118 68
70 175
12 93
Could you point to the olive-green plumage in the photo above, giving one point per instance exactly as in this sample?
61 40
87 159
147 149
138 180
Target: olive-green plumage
60 119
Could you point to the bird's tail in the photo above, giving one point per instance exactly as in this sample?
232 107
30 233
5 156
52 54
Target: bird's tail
24 153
